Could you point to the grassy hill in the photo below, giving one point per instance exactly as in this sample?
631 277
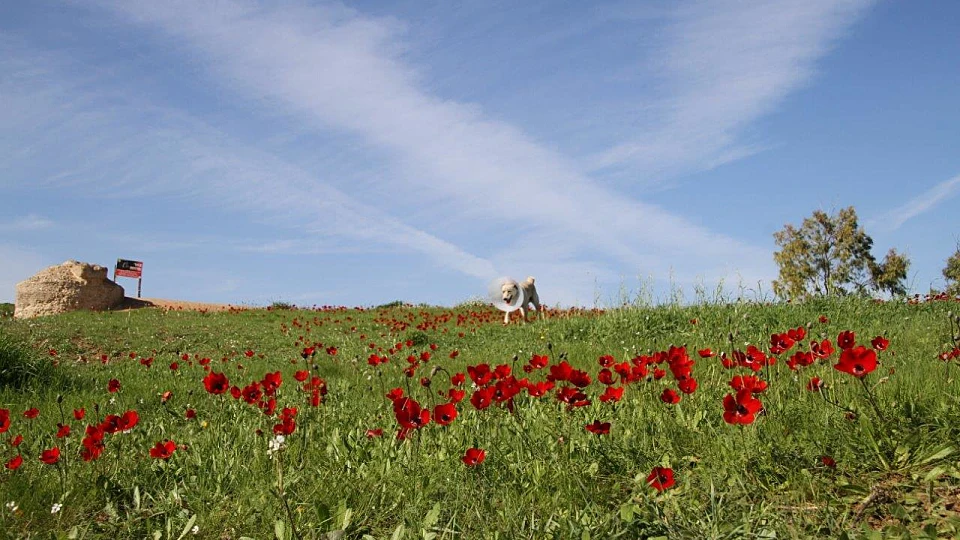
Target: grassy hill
861 455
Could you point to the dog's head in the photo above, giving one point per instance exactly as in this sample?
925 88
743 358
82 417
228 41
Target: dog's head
509 292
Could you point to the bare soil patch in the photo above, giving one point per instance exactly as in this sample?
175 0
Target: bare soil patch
179 305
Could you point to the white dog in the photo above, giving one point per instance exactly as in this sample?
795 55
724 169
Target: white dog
511 290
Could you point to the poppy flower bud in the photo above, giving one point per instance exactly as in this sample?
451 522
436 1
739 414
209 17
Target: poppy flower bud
549 346
59 398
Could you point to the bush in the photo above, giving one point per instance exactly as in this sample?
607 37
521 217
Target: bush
6 311
20 368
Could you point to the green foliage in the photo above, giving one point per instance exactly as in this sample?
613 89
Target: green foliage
20 367
278 305
6 310
829 255
952 274
544 475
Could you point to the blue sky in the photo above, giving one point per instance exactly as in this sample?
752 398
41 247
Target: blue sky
328 153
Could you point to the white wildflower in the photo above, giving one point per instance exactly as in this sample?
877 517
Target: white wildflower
113 400
275 445
12 506
195 529
56 508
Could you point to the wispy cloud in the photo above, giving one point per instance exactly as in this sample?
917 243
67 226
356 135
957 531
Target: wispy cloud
29 222
341 71
468 181
722 66
926 201
134 148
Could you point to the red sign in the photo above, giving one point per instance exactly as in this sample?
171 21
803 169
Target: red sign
127 268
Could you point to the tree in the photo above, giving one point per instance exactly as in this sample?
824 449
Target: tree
952 273
830 255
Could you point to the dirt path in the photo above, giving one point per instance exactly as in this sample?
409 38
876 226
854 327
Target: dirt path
136 303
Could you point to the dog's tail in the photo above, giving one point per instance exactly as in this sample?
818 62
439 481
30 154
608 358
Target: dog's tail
530 280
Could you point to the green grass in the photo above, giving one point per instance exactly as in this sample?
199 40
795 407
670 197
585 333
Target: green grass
545 476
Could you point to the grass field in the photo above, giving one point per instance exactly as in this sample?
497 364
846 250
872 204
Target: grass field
873 453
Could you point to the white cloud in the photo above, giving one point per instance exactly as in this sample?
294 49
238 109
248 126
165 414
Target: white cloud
29 222
342 71
462 174
722 66
918 205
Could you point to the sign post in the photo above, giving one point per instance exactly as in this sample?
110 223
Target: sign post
132 269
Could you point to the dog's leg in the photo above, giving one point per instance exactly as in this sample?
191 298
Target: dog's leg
523 313
506 318
535 300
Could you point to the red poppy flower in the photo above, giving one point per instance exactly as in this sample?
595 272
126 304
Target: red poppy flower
15 462
16 440
815 384
748 382
163 450
63 430
458 379
598 427
482 397
331 350
190 414
823 349
31 413
128 420
165 397
474 457
670 396
659 373
50 456
113 386
395 394
4 420
271 382
174 366
78 414
410 415
302 375
823 319
613 394
539 361
880 343
661 478
846 339
480 374
444 414
607 360
687 385
580 379
248 353
741 409
828 461
706 353
216 383
858 361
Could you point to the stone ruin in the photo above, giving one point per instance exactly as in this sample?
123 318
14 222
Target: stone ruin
70 286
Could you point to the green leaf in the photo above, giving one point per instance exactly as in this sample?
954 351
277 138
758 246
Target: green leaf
187 527
279 529
136 497
432 517
398 532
